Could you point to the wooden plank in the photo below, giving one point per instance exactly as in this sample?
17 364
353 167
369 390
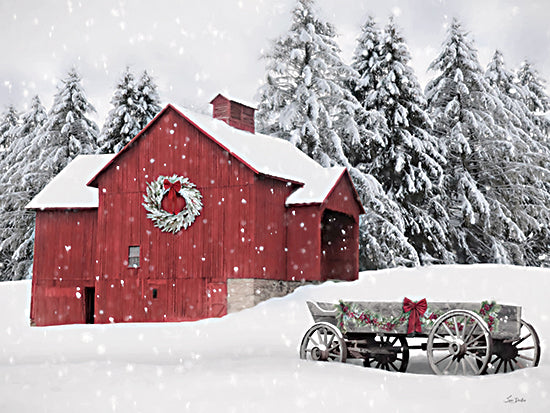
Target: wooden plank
304 244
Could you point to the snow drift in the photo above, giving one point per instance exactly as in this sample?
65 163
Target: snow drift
249 361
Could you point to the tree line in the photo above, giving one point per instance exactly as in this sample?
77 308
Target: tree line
458 172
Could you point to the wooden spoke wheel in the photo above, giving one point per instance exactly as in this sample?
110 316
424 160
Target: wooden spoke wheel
387 353
510 355
323 342
459 343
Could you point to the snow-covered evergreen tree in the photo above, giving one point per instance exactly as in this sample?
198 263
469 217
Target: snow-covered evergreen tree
68 132
135 103
304 99
535 97
382 243
522 179
405 157
365 60
121 124
308 100
518 110
20 181
148 100
8 121
477 147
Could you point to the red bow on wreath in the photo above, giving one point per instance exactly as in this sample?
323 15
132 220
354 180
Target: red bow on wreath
416 309
173 202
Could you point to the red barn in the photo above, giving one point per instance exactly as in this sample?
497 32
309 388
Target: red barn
195 217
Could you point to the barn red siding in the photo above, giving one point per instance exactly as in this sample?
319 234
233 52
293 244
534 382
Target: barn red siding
63 265
221 243
270 227
342 198
304 243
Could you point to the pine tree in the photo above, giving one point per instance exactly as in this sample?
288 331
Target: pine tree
464 106
304 99
522 181
373 123
405 158
365 61
135 103
68 132
121 124
9 120
535 98
148 101
382 243
308 100
517 110
19 183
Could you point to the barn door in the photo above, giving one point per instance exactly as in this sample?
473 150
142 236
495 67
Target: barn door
216 294
156 300
89 304
337 243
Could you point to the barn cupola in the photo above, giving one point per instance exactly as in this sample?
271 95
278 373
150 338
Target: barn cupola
236 114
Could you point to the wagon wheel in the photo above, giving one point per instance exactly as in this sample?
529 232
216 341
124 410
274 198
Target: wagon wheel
510 355
323 342
459 343
387 353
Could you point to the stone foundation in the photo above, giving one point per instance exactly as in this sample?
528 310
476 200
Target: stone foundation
247 292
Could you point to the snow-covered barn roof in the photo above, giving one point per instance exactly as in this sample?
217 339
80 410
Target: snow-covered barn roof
68 189
272 157
266 155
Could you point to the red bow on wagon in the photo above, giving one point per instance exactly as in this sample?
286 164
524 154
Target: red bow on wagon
416 309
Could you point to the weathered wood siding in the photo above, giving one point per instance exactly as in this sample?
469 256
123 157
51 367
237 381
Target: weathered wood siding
271 228
304 243
64 264
178 266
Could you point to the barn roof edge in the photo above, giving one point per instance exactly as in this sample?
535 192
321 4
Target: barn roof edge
307 193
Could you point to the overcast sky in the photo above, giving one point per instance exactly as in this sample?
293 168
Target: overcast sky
197 48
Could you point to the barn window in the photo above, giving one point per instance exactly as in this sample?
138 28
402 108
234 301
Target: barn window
133 256
155 293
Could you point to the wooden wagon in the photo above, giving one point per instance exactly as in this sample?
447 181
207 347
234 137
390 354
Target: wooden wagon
462 338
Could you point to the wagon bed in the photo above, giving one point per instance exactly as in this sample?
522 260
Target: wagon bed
462 337
508 317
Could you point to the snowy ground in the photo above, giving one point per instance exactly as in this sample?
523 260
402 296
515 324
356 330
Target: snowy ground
248 362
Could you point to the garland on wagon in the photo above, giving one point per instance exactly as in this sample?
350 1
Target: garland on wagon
173 203
351 316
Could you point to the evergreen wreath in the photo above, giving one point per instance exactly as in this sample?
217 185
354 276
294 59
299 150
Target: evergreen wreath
167 221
